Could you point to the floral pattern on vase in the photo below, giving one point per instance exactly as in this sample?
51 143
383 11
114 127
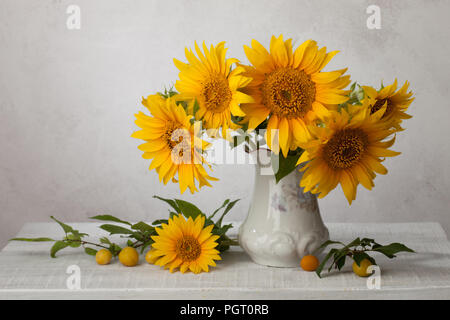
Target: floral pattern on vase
283 223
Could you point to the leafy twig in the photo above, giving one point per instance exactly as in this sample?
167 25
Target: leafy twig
140 234
357 250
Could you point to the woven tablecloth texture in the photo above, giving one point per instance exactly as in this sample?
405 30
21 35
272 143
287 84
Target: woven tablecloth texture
27 271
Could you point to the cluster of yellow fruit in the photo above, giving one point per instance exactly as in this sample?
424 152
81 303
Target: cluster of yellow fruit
311 263
128 256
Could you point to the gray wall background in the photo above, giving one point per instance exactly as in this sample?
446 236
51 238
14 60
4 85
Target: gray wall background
68 98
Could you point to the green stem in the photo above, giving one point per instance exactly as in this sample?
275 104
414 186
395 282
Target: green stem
231 242
82 242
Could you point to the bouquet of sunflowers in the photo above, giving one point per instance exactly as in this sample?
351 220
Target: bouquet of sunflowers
340 133
301 113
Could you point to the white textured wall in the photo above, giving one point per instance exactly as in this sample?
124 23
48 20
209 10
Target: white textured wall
67 100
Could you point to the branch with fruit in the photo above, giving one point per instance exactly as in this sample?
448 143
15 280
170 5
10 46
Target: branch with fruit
357 250
138 236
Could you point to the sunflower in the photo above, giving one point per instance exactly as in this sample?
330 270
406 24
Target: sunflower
289 88
348 150
185 244
396 102
210 81
172 142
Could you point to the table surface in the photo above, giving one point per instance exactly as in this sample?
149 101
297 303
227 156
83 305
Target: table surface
28 272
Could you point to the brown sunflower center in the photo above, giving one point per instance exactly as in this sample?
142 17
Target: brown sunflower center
345 148
289 93
379 104
216 93
172 135
188 248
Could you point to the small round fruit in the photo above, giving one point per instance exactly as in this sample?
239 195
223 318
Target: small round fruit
103 256
361 270
150 258
129 257
309 263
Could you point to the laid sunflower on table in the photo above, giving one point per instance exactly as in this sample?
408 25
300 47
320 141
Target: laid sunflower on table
172 144
214 85
185 244
397 102
290 90
348 150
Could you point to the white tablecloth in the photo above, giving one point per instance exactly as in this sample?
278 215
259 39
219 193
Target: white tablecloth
27 271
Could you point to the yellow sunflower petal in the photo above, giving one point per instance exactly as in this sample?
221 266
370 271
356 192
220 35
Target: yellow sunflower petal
275 77
184 243
345 150
217 90
162 134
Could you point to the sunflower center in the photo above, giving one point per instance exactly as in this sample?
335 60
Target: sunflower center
289 93
188 248
345 148
171 135
379 104
216 93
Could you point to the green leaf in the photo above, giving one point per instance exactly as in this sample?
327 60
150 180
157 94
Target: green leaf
73 240
146 244
222 247
360 256
90 251
339 258
107 217
391 249
326 244
167 92
188 209
222 230
115 249
367 242
32 239
66 228
171 214
223 243
160 221
218 209
105 240
354 243
341 262
59 245
113 229
142 226
286 165
208 222
78 234
171 202
324 261
227 209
